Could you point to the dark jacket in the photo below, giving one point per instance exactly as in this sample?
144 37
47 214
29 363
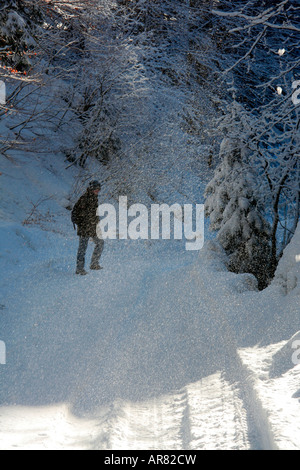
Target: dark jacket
84 215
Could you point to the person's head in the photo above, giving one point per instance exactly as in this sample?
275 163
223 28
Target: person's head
95 186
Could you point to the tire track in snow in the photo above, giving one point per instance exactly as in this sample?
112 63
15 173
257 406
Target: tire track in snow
207 415
217 416
259 429
253 420
150 425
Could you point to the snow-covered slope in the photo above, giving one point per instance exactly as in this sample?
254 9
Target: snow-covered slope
163 349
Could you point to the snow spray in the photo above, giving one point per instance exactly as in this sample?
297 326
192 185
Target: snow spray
138 222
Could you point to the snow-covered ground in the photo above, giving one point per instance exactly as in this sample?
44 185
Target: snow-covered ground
163 349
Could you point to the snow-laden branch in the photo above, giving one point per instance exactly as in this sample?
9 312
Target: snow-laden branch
248 53
260 19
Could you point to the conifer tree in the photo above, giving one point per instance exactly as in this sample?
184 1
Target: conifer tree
234 209
19 22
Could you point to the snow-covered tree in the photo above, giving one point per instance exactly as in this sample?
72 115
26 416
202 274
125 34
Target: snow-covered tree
276 146
19 22
149 98
262 56
37 50
233 205
260 46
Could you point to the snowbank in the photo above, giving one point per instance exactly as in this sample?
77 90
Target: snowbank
276 393
274 368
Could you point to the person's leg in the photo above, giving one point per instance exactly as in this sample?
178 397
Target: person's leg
99 245
83 244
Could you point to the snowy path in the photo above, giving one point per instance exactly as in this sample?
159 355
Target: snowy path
138 356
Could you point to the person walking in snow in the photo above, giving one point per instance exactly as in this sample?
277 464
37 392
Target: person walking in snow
84 215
